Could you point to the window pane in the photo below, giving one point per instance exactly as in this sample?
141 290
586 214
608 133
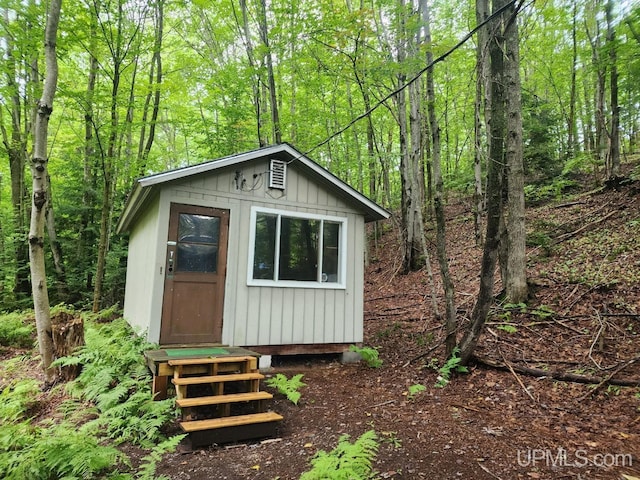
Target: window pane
298 249
197 258
265 247
198 228
330 252
197 243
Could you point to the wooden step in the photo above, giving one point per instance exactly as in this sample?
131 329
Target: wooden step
222 399
234 377
216 423
209 360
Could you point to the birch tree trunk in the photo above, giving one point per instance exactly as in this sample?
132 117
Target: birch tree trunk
39 200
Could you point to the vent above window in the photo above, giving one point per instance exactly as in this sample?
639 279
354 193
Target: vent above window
278 174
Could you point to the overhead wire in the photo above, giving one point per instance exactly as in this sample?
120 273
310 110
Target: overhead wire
439 59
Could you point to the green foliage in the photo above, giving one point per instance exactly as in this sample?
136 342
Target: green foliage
287 386
508 328
17 399
115 378
16 330
61 451
452 365
347 461
147 470
415 390
540 147
369 354
536 193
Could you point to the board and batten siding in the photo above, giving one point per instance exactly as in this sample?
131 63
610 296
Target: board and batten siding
141 293
260 315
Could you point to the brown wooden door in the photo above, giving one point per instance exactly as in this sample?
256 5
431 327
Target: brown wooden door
195 271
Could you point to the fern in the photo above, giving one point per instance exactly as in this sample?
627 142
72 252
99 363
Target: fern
147 470
62 451
368 354
17 399
288 386
347 461
15 331
115 378
452 365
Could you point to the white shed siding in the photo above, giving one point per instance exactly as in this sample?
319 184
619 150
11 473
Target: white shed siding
139 290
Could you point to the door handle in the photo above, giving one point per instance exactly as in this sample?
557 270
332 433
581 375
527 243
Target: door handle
170 263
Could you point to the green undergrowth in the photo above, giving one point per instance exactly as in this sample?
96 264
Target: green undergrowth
16 330
599 258
110 404
289 387
347 460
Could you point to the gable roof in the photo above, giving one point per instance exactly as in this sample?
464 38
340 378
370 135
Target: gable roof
144 186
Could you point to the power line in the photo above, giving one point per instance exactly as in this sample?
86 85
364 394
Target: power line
441 58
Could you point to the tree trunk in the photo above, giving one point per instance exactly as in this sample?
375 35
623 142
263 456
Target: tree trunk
155 79
494 189
613 155
273 98
56 250
438 192
572 143
15 144
516 268
68 336
38 207
412 220
480 108
255 77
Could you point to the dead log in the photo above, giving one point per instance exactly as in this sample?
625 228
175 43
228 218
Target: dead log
68 336
561 376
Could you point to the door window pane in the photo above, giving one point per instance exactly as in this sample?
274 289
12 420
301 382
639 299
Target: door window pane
198 237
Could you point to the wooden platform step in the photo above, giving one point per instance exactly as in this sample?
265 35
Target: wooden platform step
222 399
234 377
210 360
216 423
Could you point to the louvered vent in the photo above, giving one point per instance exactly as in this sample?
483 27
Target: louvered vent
278 174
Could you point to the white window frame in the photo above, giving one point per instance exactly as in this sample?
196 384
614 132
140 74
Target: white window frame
342 242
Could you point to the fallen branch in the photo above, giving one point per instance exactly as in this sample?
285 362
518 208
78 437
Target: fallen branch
569 235
608 379
565 376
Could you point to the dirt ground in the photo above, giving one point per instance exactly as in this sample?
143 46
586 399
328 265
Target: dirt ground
583 320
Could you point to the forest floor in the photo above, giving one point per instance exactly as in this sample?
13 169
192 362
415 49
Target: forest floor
583 319
517 419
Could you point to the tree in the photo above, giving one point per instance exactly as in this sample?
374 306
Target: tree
495 173
515 283
613 155
40 197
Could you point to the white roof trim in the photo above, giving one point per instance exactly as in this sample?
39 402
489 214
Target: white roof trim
142 186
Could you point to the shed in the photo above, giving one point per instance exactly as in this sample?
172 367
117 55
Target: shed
262 250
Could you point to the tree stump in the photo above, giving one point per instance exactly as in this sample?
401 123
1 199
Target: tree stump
68 335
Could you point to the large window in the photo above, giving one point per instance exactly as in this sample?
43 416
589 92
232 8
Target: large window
292 249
